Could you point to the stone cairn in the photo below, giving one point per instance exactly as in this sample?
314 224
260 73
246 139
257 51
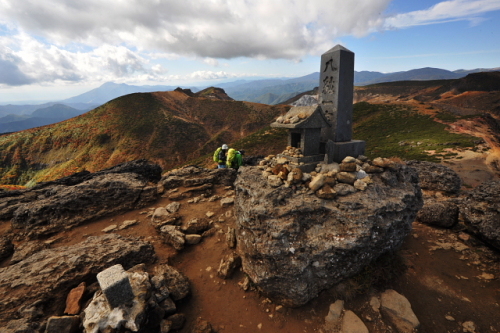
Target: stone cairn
328 180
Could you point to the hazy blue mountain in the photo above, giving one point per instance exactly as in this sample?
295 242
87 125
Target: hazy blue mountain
31 122
424 74
21 109
365 76
11 118
110 90
40 117
59 111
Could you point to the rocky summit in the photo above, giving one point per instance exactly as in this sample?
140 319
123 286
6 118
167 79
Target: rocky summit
295 242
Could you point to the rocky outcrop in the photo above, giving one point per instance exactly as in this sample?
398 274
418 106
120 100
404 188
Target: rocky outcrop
45 278
481 212
6 247
294 244
193 176
436 177
51 207
440 185
440 214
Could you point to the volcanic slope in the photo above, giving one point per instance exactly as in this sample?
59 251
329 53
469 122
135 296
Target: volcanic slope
169 128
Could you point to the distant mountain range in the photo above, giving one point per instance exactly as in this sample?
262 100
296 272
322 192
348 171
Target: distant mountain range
40 117
265 91
275 91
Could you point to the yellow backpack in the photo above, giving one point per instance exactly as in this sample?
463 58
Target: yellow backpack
231 153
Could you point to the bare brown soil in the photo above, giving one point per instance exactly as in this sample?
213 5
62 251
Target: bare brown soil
445 278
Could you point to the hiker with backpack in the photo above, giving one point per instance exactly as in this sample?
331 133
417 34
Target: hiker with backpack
220 156
235 158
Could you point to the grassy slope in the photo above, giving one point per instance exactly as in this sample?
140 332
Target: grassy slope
168 128
397 130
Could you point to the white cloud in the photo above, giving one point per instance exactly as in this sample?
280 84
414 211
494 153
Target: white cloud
211 62
102 40
446 11
214 29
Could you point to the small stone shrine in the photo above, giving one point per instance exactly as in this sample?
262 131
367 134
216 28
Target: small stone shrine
324 131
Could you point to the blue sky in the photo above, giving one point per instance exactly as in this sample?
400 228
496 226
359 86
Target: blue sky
55 49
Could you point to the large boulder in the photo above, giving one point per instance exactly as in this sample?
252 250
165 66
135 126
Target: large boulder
46 277
436 177
481 212
294 244
192 176
85 194
63 207
439 213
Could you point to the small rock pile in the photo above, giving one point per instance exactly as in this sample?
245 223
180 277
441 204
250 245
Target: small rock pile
295 240
293 152
291 119
199 186
132 300
328 180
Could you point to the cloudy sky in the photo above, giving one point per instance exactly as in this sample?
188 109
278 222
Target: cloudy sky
54 49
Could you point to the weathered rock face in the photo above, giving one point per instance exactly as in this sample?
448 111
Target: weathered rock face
50 274
442 214
193 176
481 212
6 247
294 244
436 177
51 207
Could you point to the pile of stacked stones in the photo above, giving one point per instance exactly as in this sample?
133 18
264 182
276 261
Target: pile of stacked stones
292 152
328 180
291 119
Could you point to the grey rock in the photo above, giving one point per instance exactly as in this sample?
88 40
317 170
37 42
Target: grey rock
344 189
397 309
228 265
481 212
226 202
50 274
168 306
294 245
196 226
436 177
173 207
346 177
69 206
195 176
317 182
19 326
100 316
116 286
176 282
174 236
6 247
441 214
11 201
64 324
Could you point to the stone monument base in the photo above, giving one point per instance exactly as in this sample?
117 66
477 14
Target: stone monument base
337 151
310 162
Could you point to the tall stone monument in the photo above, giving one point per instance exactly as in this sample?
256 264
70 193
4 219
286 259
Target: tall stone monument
324 132
335 98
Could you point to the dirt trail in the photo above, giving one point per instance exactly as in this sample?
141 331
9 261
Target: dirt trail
445 277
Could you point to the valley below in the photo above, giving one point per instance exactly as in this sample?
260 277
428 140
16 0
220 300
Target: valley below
450 275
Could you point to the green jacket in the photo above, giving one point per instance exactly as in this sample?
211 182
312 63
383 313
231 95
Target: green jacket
237 161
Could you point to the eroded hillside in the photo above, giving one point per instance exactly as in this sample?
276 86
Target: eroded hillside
470 106
169 128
